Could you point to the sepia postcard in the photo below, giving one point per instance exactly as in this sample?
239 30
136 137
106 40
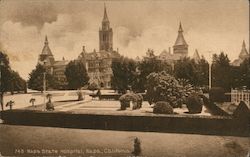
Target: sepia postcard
124 78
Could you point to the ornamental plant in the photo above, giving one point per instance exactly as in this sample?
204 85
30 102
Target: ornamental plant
136 100
164 87
162 107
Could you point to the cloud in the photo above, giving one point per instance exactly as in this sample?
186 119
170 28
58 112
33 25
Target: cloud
137 26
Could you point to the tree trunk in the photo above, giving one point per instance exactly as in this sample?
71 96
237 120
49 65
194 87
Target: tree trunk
1 100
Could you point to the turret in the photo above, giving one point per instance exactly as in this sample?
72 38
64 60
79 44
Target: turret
243 53
46 55
180 47
105 34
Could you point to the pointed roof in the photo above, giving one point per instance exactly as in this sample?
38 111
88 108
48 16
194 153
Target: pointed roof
105 16
180 38
243 52
196 55
46 50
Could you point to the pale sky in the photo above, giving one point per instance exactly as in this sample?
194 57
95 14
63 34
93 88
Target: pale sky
209 25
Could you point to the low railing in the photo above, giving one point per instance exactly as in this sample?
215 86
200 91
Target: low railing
240 95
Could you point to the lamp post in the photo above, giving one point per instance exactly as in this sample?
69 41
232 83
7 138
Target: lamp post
210 75
44 81
210 70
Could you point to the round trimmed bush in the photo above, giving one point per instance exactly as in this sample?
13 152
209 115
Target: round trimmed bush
194 103
163 107
125 100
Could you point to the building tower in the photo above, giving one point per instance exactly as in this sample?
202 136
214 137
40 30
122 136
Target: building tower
105 34
180 47
46 57
243 53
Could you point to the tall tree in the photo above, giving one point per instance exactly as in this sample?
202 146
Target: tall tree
76 74
5 76
148 65
186 68
244 73
36 78
202 68
124 74
9 79
17 83
221 71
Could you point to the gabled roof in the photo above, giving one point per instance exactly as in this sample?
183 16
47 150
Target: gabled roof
180 38
196 55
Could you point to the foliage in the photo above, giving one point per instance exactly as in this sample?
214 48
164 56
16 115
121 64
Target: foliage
163 107
221 71
93 86
32 100
80 95
10 80
49 104
124 74
202 68
186 69
10 104
217 94
194 103
244 73
164 87
195 72
125 100
147 66
36 79
76 74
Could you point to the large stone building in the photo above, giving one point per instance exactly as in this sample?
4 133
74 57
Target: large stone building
242 56
98 63
53 67
180 49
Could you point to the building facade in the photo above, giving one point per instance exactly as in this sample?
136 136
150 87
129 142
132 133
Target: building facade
53 67
98 63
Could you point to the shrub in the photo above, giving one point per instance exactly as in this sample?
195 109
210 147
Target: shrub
80 95
49 104
163 107
217 94
93 86
140 100
127 98
194 103
164 87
